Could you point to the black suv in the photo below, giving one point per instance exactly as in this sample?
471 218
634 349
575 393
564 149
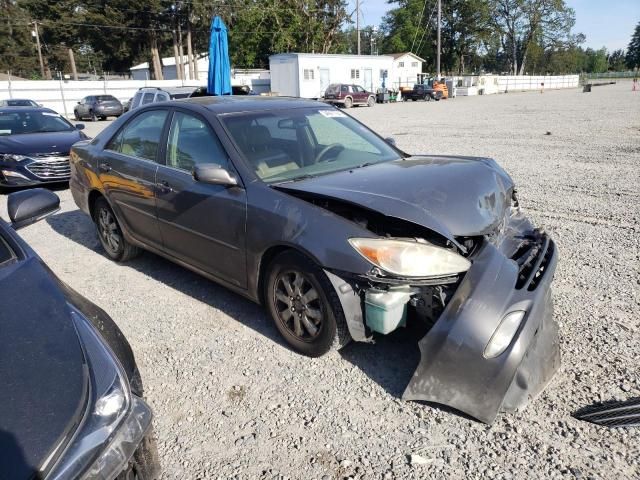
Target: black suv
71 394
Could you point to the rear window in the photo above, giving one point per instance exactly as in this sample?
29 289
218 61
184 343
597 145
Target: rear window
106 98
147 98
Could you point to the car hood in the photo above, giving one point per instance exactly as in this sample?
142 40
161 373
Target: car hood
31 143
453 196
43 375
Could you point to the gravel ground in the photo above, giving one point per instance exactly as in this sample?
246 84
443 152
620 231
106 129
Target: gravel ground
232 401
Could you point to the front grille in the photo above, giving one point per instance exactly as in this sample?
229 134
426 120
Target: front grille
533 257
51 168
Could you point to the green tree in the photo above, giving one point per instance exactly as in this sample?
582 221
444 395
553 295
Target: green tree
616 61
633 50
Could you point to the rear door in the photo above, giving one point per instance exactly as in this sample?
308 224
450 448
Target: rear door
201 224
127 170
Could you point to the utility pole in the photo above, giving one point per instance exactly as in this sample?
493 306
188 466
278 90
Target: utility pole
72 61
439 46
37 35
358 23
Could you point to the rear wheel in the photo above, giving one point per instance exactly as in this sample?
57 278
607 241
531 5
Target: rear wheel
304 305
371 101
348 102
103 118
110 234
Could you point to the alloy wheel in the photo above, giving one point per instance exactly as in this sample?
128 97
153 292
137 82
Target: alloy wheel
298 305
109 231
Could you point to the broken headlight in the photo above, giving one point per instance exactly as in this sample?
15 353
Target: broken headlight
10 157
114 422
408 258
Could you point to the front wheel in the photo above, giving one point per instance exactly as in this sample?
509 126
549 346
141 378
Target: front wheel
371 101
110 234
304 305
76 116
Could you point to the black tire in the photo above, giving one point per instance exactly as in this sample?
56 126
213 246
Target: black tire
348 102
413 99
76 116
371 101
145 463
332 332
103 118
110 234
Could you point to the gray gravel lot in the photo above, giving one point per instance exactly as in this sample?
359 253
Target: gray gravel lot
231 400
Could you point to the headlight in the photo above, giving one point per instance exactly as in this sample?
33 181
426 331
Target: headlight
11 157
410 258
114 422
503 335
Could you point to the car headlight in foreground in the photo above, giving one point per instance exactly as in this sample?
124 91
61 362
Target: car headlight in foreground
114 422
11 157
410 258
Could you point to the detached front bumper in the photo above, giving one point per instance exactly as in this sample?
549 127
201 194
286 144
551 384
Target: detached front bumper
453 369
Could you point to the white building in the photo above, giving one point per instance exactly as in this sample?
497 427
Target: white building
308 75
256 78
406 67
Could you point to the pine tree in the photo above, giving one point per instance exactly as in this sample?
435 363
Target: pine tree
633 50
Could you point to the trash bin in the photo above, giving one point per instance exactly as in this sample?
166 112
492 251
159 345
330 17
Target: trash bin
382 97
586 88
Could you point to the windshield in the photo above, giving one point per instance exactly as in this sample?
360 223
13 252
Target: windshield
287 145
14 123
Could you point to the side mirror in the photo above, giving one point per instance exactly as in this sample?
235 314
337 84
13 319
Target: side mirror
390 141
29 206
78 103
214 174
79 126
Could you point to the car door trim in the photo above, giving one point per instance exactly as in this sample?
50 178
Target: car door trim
202 235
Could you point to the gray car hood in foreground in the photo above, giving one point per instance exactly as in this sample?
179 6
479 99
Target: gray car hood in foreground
453 196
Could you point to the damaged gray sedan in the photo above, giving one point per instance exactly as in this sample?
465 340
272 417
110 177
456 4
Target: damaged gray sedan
339 234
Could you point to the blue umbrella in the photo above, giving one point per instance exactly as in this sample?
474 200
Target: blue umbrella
219 67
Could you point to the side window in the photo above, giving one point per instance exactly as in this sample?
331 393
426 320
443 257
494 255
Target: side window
147 98
191 141
162 97
141 136
344 88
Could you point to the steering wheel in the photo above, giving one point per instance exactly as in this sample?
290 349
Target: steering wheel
327 149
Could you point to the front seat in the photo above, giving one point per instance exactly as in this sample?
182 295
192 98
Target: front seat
267 159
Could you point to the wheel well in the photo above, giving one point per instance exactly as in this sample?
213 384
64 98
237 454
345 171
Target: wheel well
266 259
93 196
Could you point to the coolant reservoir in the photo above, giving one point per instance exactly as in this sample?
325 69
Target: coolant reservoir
386 310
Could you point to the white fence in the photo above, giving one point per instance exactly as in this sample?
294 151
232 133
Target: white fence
62 96
519 83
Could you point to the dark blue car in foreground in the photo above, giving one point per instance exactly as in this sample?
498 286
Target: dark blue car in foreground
34 146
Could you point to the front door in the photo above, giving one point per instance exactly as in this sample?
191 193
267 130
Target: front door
324 80
127 171
201 224
368 80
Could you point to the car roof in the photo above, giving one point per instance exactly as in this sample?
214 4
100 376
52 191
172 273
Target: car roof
243 103
26 109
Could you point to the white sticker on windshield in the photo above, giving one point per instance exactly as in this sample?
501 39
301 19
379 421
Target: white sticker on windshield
49 114
332 113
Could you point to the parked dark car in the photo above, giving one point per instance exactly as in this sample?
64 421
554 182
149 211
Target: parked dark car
34 146
71 396
348 95
422 92
340 235
126 106
96 107
18 102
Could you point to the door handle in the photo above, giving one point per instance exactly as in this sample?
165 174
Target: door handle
164 187
104 167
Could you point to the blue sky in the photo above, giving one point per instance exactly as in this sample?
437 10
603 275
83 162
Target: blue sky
605 23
